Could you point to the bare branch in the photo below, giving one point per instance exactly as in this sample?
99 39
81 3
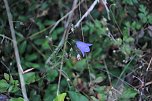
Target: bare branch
87 13
149 64
105 4
20 70
57 49
65 36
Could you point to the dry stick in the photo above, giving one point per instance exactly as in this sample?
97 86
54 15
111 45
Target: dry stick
105 4
90 9
1 35
65 36
20 70
149 64
81 24
65 16
87 13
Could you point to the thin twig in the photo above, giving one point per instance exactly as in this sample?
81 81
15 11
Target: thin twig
114 18
125 68
146 84
86 13
37 33
112 75
20 70
57 49
149 64
65 16
65 36
105 65
33 45
77 25
5 37
81 23
107 9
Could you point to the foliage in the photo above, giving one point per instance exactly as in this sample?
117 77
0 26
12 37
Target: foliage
121 51
60 97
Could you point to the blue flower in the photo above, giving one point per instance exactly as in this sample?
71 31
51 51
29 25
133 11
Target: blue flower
84 47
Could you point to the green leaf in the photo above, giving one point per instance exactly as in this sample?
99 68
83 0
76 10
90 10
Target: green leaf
39 24
29 77
128 93
22 18
97 52
34 96
77 96
51 89
98 79
44 5
80 65
150 18
31 57
6 76
39 41
33 65
94 99
45 45
60 97
22 47
52 74
13 89
56 33
126 49
101 92
129 40
3 86
16 99
118 41
142 8
69 63
13 86
115 71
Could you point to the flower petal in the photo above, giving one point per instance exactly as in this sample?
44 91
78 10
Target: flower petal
83 47
88 44
82 53
86 49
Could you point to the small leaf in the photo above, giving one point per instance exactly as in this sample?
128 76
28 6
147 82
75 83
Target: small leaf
32 65
60 97
6 76
77 96
99 79
39 41
52 74
56 33
126 49
80 65
129 39
22 47
3 86
13 89
94 99
31 57
118 41
16 99
29 77
128 93
45 45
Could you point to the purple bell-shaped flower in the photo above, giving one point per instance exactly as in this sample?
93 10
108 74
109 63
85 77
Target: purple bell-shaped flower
84 47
